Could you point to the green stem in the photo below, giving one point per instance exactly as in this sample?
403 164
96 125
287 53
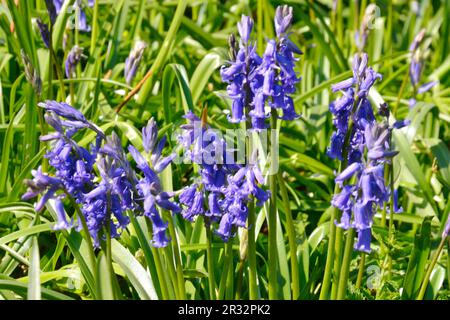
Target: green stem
168 254
252 271
50 68
324 292
391 213
227 257
448 262
57 66
87 235
251 222
335 243
337 262
240 280
383 216
259 21
115 284
340 22
272 217
209 257
94 28
431 266
177 256
292 240
362 263
343 278
148 253
229 288
158 265
400 93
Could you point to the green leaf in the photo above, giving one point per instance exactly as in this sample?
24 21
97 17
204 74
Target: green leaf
442 154
417 261
170 72
436 282
414 167
284 278
139 278
34 283
26 232
202 73
104 285
20 289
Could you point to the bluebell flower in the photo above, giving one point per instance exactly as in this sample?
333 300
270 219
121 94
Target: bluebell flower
416 65
245 27
43 184
368 149
225 227
283 19
149 186
133 60
355 104
363 33
31 73
240 73
62 222
426 87
446 231
45 33
54 9
220 192
109 199
51 9
73 58
364 239
254 82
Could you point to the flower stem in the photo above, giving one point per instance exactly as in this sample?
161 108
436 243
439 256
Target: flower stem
426 279
335 243
448 262
338 242
209 257
272 217
158 265
251 221
227 257
391 209
324 292
87 235
252 272
177 256
108 250
343 278
292 240
362 263
240 280
94 34
149 254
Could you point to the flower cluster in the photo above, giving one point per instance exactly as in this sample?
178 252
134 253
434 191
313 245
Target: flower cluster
222 190
352 107
149 189
254 81
364 146
100 180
